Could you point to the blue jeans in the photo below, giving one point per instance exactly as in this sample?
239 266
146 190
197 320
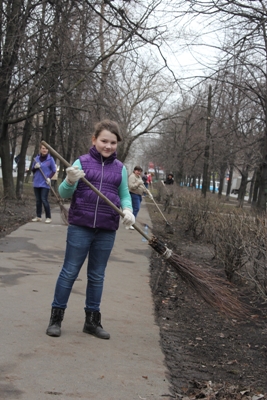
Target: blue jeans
136 203
146 185
41 195
82 241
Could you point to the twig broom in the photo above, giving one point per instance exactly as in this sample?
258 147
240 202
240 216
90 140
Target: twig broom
63 210
168 227
211 288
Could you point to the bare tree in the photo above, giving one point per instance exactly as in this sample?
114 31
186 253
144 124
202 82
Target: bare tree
56 57
244 23
181 148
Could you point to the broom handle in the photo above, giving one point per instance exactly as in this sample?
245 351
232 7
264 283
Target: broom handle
165 187
158 207
67 164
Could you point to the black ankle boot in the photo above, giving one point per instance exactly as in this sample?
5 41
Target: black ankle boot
93 325
57 315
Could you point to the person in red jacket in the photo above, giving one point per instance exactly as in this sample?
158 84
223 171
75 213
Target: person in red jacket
149 179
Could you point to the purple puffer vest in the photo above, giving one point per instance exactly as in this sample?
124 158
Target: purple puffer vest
87 208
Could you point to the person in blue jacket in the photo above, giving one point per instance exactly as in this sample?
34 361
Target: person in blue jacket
43 169
92 225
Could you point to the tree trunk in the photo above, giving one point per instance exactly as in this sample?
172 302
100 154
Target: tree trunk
23 150
229 184
14 30
243 187
256 188
222 173
213 183
252 187
7 173
206 178
199 179
262 198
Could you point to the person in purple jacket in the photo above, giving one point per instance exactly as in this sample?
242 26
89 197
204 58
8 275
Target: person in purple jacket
92 225
41 186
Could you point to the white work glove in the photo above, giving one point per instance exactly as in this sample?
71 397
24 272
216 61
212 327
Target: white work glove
74 174
149 194
48 181
37 165
128 219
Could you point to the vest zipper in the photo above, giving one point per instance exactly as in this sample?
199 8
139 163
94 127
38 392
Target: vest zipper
100 187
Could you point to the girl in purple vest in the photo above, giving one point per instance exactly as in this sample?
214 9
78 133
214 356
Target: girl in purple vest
92 225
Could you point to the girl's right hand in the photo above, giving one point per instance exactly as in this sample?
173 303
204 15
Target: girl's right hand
74 174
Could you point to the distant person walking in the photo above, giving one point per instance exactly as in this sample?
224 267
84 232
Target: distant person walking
169 180
41 185
149 179
145 181
136 188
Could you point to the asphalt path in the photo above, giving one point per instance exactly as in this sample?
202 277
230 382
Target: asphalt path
76 365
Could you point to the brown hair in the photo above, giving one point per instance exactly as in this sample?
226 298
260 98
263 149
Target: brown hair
137 168
110 126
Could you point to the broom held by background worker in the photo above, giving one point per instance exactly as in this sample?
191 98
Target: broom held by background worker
41 185
92 225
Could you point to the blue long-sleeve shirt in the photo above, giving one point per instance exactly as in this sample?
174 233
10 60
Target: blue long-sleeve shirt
48 167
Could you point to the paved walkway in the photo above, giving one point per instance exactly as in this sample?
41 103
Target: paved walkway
35 366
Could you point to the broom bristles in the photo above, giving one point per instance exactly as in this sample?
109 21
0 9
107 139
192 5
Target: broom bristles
63 213
210 287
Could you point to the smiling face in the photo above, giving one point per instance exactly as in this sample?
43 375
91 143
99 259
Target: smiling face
43 150
137 172
106 143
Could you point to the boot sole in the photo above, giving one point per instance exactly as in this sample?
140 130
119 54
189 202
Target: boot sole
93 334
54 334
